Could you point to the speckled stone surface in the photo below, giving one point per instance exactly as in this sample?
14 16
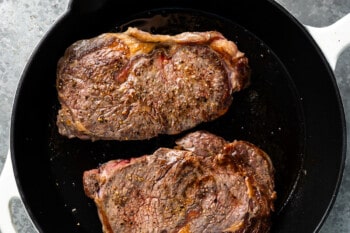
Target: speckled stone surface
24 22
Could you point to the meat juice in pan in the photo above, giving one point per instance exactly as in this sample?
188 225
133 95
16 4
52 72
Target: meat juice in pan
267 113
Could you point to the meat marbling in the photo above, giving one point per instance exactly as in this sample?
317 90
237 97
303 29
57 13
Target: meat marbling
226 187
136 85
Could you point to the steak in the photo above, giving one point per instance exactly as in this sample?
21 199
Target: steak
136 85
226 187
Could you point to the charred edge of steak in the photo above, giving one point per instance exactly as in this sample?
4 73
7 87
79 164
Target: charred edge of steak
243 71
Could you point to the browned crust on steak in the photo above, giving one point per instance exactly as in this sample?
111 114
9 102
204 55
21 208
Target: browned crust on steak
135 85
176 190
201 143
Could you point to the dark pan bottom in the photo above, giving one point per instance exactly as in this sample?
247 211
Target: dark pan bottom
268 114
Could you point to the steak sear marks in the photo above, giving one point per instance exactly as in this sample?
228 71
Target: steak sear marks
135 85
230 189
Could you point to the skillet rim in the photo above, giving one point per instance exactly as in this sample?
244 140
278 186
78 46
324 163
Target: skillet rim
280 8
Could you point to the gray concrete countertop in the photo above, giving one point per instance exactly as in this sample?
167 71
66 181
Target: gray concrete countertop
23 23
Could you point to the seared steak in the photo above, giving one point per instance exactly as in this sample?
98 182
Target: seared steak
135 85
228 187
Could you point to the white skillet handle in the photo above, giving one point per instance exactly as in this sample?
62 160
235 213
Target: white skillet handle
332 39
8 190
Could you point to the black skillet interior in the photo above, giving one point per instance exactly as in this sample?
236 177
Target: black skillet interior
292 110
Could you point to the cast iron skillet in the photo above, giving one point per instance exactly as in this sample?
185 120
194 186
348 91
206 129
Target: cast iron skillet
292 110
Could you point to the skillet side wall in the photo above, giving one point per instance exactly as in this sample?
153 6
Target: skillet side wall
325 139
325 142
324 125
29 132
